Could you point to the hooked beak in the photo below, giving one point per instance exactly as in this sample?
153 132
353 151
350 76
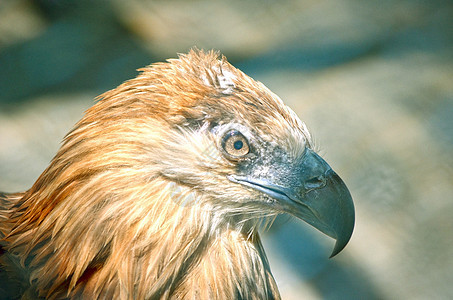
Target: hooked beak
313 192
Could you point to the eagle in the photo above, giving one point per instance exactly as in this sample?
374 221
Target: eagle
160 190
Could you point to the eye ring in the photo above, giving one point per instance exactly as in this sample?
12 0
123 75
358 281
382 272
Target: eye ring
235 144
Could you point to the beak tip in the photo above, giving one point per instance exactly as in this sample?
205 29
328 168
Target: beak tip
344 237
339 246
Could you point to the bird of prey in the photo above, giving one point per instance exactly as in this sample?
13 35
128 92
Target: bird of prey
159 191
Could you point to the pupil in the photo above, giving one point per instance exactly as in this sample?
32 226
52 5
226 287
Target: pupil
238 145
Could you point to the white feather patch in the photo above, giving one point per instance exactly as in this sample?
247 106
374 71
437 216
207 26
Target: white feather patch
226 82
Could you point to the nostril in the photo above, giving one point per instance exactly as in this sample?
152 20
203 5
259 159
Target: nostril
315 182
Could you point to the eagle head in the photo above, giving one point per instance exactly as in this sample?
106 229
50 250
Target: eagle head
171 170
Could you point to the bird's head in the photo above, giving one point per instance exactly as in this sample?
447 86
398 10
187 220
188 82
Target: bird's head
208 129
189 152
198 133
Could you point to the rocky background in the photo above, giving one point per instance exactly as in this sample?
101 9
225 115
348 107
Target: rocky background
373 80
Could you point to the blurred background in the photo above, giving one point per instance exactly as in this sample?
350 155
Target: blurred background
373 80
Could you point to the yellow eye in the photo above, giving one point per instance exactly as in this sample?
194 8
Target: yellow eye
235 144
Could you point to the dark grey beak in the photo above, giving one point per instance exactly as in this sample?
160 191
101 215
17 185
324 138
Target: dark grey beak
313 192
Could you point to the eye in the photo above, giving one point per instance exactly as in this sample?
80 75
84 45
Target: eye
235 144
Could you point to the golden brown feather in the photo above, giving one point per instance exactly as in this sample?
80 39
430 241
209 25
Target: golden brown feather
138 202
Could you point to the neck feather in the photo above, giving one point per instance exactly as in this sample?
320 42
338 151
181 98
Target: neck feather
153 248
